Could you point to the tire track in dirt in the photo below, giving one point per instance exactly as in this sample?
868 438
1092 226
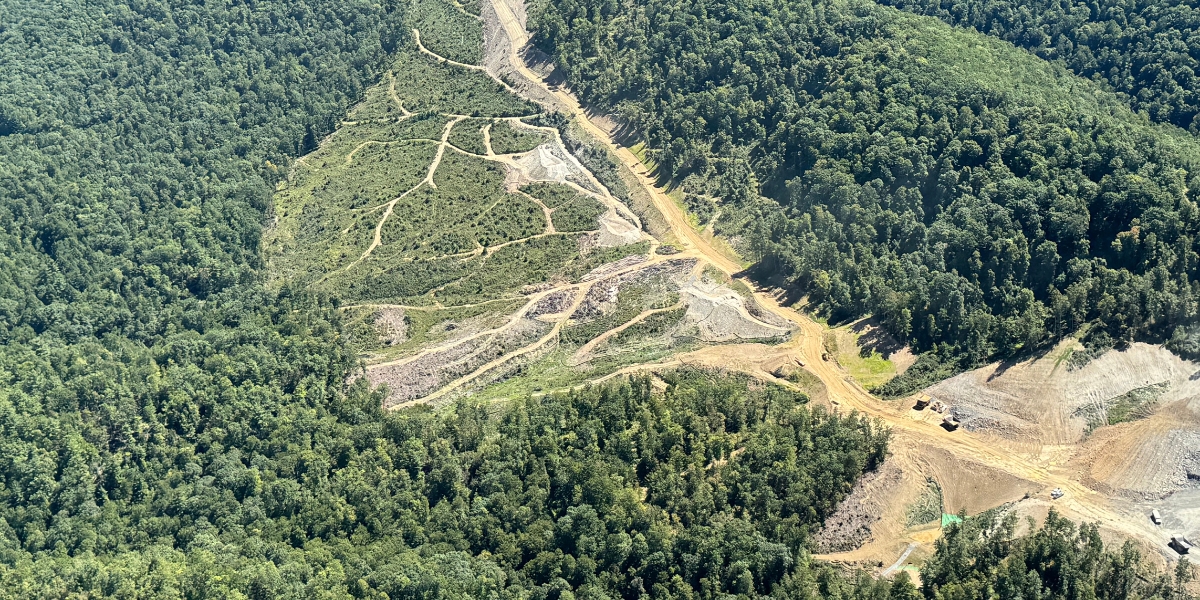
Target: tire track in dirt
581 291
396 97
428 180
486 130
547 212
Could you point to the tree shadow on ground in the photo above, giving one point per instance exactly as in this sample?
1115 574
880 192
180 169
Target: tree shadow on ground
540 62
872 338
1009 362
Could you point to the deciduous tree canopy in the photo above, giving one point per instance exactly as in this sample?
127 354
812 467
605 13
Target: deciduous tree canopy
967 193
172 428
982 558
1149 51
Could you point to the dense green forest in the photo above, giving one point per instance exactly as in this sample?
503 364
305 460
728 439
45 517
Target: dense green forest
141 143
1148 50
711 487
980 201
171 427
981 558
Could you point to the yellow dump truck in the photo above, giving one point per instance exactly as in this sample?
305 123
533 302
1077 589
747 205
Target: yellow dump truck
923 401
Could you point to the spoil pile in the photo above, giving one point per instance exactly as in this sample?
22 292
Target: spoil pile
721 316
549 162
1130 419
1039 400
418 377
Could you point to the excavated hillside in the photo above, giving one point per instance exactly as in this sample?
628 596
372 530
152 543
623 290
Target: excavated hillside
470 244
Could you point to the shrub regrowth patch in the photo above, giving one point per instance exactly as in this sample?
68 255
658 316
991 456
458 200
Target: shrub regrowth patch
508 138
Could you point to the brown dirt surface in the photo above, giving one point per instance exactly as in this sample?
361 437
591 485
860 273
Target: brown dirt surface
881 505
1042 402
968 485
1145 459
1040 407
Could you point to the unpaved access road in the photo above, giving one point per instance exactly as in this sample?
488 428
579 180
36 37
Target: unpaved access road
1080 502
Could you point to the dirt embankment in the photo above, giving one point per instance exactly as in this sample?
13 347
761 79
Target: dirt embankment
721 315
1128 421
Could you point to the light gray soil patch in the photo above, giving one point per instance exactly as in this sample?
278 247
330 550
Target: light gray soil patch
1180 516
553 304
721 316
423 376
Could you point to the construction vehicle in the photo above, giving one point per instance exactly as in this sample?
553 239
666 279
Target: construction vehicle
922 401
1056 493
1155 517
1180 544
950 423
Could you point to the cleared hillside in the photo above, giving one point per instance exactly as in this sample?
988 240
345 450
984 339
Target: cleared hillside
471 247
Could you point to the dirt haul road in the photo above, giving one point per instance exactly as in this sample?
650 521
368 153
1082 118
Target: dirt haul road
1080 502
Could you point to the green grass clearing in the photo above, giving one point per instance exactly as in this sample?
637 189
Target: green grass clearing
809 383
653 325
868 368
642 152
377 104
